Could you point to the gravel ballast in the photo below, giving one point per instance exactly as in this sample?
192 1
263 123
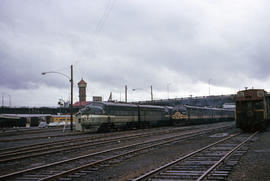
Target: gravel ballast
255 164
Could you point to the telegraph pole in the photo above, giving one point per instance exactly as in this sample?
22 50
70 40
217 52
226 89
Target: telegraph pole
2 108
209 85
151 93
126 93
2 99
71 98
9 100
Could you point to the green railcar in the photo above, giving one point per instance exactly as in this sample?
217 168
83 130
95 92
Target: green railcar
106 116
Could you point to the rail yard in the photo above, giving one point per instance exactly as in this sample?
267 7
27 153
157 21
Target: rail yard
134 90
208 151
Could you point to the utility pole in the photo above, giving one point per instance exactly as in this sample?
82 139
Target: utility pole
126 93
209 85
2 99
151 93
71 98
9 100
2 108
168 90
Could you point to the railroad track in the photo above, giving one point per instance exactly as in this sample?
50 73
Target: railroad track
43 149
23 138
46 136
19 131
14 154
213 162
81 165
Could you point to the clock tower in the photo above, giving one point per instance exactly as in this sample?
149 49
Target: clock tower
82 90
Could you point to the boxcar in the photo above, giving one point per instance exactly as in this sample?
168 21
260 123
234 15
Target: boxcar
252 109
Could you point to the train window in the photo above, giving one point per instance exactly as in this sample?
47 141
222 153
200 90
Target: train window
93 110
240 94
260 93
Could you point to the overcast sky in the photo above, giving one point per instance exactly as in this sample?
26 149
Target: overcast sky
177 46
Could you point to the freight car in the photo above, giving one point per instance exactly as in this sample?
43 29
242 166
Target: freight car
105 116
252 109
191 115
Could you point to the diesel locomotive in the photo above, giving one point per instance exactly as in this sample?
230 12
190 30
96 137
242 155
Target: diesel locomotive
252 109
105 116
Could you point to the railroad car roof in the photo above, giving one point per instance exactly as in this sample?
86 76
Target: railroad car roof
208 108
152 106
111 104
23 115
250 95
123 104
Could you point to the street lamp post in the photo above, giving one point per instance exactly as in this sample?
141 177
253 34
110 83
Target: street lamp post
151 91
71 92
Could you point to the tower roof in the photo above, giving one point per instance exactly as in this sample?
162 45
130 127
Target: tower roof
82 82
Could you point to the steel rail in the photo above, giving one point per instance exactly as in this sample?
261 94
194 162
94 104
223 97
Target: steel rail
147 175
40 137
188 136
42 149
225 157
40 145
28 131
113 157
60 148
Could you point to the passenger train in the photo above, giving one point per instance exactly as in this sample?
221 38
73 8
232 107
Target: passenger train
106 116
191 115
252 109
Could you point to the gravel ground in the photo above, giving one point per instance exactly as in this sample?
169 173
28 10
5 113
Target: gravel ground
49 136
53 157
255 164
151 159
147 161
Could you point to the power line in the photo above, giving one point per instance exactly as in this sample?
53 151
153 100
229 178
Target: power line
105 16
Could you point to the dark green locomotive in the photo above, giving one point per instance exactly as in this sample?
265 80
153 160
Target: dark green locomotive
104 116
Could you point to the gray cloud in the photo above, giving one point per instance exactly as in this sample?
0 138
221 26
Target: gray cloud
140 43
